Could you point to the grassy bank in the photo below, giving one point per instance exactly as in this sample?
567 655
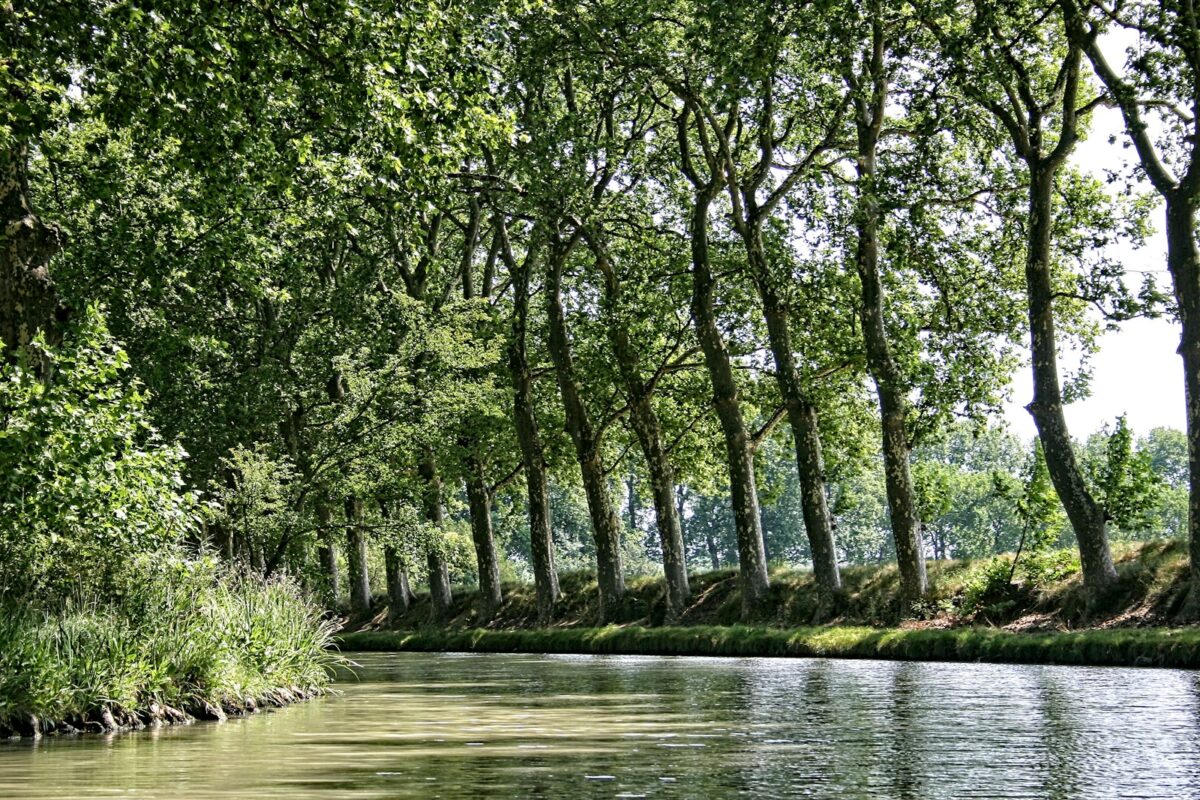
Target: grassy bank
199 645
1157 647
976 610
1149 592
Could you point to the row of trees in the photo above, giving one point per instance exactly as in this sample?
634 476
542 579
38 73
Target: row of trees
391 257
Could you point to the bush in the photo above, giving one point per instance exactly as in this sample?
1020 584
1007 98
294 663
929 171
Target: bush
85 483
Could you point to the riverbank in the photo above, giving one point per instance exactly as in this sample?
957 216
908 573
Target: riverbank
1043 594
981 610
202 645
1146 647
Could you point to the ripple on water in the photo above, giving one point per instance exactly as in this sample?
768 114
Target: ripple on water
470 726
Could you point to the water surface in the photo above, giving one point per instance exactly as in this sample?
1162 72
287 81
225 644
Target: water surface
471 726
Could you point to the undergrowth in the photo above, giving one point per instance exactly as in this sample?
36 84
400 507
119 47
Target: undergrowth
188 640
1044 591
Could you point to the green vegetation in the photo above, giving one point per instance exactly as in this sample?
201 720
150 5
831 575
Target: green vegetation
109 618
372 298
973 611
192 642
1157 647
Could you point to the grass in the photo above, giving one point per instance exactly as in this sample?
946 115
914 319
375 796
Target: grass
200 644
972 613
1150 590
1158 647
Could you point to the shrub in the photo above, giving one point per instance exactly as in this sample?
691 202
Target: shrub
85 483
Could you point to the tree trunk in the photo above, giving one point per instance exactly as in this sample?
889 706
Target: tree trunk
1184 264
479 500
752 560
356 541
28 302
680 510
1088 517
400 595
327 555
802 416
606 529
889 382
645 424
439 572
541 542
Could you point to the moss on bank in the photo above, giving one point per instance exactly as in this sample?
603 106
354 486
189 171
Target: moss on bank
1157 647
973 613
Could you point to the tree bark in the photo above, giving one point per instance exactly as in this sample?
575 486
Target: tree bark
606 529
533 458
1088 517
889 382
400 595
356 540
439 571
1184 265
327 555
28 302
479 499
752 560
644 421
803 418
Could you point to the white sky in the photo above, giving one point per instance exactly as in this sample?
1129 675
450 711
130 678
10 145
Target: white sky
1136 371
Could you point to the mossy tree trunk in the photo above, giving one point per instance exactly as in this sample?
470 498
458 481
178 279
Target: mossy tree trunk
438 570
752 558
356 557
644 421
533 458
870 105
1088 517
606 528
479 500
331 579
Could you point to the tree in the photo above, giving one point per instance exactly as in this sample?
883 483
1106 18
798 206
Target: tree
1023 66
1159 90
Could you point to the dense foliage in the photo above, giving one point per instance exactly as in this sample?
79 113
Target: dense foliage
468 292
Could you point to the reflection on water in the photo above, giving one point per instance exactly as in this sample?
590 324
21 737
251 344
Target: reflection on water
469 726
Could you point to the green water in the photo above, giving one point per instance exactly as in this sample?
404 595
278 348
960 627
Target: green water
471 726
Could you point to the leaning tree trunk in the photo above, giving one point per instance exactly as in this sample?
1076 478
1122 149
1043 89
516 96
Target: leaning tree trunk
479 499
752 558
606 528
28 302
802 416
1184 264
533 458
356 540
327 555
1088 517
662 485
889 382
400 596
646 427
439 571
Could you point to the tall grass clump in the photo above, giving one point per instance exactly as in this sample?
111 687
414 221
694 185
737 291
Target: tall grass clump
192 640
